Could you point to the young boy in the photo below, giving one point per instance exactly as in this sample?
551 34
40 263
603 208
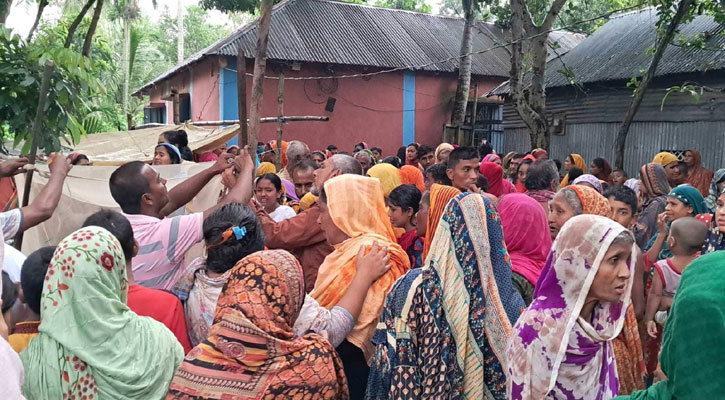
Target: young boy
32 277
687 235
619 176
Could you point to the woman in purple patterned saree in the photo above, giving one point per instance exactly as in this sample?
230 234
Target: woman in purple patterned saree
561 345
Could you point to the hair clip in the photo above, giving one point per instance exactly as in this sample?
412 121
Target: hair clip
239 233
236 231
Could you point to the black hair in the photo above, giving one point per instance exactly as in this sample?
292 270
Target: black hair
414 145
10 292
180 139
401 153
172 154
425 149
620 170
361 144
379 150
540 175
79 158
405 196
460 154
128 185
275 180
32 276
317 152
682 167
482 182
599 162
624 194
484 149
331 147
438 172
305 165
574 173
118 226
558 165
222 257
392 160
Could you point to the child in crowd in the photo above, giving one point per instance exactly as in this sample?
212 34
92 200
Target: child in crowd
403 204
686 237
619 176
32 277
268 192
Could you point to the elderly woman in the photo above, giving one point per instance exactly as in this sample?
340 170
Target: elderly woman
433 340
561 347
542 182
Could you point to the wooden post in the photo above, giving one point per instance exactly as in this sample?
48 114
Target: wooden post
280 113
37 127
242 138
176 101
459 135
260 65
473 115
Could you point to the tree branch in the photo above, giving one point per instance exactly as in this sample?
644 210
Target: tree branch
551 15
77 21
92 28
41 8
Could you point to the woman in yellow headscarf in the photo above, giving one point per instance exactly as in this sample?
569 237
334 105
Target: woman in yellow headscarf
266 168
353 216
388 175
669 162
573 161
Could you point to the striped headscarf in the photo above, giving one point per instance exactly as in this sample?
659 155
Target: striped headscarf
711 199
654 180
440 195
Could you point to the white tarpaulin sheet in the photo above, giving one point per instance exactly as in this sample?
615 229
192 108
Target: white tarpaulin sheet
116 148
86 191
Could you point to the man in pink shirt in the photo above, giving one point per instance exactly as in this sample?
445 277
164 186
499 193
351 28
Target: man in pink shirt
163 242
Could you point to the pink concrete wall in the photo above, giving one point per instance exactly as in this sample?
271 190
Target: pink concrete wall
367 109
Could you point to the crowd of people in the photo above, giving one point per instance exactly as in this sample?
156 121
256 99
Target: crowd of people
435 273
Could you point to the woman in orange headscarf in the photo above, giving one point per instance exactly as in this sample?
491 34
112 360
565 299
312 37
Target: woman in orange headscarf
352 216
573 161
273 148
439 195
412 175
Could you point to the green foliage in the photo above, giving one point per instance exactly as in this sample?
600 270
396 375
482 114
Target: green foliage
199 33
693 90
72 81
410 5
230 6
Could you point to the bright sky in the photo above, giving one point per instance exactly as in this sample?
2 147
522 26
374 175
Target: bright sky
23 12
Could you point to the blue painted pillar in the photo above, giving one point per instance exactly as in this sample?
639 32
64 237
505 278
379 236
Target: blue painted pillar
408 107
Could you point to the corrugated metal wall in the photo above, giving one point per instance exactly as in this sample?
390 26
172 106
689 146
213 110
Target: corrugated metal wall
645 139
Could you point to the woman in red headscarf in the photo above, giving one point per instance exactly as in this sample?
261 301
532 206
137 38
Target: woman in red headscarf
497 186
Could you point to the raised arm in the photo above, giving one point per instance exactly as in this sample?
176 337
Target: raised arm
185 191
42 207
654 250
241 189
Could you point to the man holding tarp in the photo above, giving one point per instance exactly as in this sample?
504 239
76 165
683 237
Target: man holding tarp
163 241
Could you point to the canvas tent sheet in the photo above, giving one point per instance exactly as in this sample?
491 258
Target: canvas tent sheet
86 191
115 148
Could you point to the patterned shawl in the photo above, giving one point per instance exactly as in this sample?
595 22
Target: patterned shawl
357 207
692 348
440 195
578 163
412 175
699 177
711 199
590 179
252 351
553 352
443 330
388 175
591 201
89 340
526 231
654 180
497 186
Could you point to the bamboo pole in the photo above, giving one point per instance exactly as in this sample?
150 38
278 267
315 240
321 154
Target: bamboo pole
242 138
280 112
37 127
473 115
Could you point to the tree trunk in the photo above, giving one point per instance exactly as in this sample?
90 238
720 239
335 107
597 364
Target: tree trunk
92 28
660 46
5 6
180 33
126 65
41 7
260 65
464 68
530 101
242 138
280 113
77 21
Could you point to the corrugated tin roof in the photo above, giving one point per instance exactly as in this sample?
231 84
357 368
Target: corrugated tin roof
619 51
324 31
